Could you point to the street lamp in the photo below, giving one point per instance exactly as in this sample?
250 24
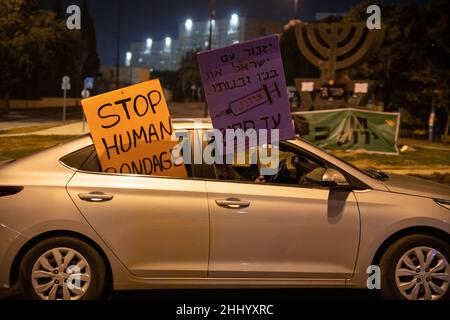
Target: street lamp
148 48
128 57
295 8
234 21
212 16
188 25
167 44
118 45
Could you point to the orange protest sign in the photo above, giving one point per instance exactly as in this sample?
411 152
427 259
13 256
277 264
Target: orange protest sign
131 129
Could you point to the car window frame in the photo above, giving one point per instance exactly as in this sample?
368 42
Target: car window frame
204 171
355 184
265 183
61 161
194 167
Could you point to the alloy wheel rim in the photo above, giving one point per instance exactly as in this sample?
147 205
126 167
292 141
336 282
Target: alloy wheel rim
422 273
61 274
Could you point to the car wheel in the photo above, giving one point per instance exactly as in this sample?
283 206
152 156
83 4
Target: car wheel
62 268
416 267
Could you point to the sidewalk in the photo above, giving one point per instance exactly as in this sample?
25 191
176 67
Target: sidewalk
424 144
73 128
7 125
20 119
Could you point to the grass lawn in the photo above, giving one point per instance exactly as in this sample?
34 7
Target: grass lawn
420 158
443 178
21 146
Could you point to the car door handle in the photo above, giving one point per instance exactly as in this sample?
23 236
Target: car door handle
95 196
232 203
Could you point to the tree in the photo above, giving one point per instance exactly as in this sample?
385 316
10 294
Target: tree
89 58
57 8
413 60
435 71
189 74
411 69
294 63
31 40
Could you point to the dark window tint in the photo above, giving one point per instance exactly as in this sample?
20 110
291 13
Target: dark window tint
76 159
86 159
92 164
294 168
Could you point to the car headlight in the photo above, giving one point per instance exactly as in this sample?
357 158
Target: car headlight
443 203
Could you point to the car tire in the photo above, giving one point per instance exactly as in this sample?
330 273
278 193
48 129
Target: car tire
405 277
79 274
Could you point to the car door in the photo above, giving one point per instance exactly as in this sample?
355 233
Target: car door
157 226
264 230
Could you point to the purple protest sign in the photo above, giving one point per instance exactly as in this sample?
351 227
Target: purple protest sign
245 87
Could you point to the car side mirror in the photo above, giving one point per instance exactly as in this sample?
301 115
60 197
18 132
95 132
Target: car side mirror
332 178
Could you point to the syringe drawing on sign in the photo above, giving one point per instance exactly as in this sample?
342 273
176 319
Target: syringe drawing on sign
255 99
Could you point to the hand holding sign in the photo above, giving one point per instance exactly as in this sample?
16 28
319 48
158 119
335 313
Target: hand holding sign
131 129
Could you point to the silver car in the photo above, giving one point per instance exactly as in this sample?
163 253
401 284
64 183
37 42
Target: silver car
70 231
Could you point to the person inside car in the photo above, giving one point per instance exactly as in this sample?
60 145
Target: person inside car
227 172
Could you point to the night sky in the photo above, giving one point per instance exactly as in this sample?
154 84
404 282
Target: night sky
142 19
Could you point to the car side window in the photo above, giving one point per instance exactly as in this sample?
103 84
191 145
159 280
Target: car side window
76 159
86 159
92 164
299 168
294 168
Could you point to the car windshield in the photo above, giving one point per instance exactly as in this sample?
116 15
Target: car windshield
373 173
